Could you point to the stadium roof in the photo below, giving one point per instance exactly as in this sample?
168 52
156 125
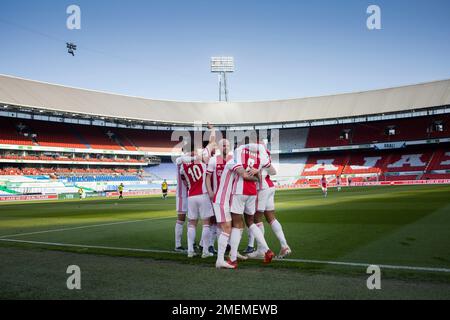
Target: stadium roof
51 97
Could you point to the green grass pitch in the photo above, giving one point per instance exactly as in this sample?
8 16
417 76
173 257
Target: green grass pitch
124 249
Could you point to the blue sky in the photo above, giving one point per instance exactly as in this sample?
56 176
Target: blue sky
283 49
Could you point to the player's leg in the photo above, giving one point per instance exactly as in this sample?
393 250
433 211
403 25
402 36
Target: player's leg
213 236
179 225
223 218
275 225
206 213
182 208
193 216
260 208
192 228
236 235
279 233
263 248
206 234
251 238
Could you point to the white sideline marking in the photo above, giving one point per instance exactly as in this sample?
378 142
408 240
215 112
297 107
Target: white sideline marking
357 264
353 264
82 227
88 246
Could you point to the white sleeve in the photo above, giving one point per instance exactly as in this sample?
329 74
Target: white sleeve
264 157
206 155
211 165
187 159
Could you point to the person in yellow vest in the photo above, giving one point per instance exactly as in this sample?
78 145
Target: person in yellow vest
165 188
120 188
81 193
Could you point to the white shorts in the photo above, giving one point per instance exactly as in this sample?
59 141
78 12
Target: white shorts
324 189
182 204
199 207
241 204
222 212
266 200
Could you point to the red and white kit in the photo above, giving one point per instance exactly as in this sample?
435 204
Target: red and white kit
324 183
216 166
266 191
244 193
181 194
223 194
199 204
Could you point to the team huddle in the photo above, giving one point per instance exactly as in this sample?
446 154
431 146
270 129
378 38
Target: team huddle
227 189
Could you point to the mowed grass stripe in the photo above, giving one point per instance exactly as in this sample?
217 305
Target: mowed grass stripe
83 227
340 263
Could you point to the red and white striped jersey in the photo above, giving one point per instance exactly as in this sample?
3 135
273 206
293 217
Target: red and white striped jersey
249 156
265 182
223 193
195 175
215 168
181 182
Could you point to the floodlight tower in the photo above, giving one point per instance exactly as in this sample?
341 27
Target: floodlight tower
222 66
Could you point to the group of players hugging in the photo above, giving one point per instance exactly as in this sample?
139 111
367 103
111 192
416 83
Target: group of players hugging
223 188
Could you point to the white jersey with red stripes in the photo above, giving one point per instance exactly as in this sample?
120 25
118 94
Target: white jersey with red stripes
223 193
266 182
215 168
249 156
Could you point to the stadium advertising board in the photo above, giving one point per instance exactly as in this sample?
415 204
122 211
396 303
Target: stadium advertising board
29 197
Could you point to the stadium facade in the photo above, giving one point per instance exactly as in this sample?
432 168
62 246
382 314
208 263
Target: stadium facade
55 139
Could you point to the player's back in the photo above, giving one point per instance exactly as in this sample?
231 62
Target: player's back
249 156
195 175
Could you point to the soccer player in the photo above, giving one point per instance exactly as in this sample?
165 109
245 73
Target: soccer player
324 185
182 207
164 188
265 206
214 172
199 205
249 158
222 209
338 183
120 188
182 189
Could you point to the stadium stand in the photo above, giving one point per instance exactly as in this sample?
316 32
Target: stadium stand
293 138
411 164
364 163
82 136
317 165
10 134
373 132
54 134
166 170
155 141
